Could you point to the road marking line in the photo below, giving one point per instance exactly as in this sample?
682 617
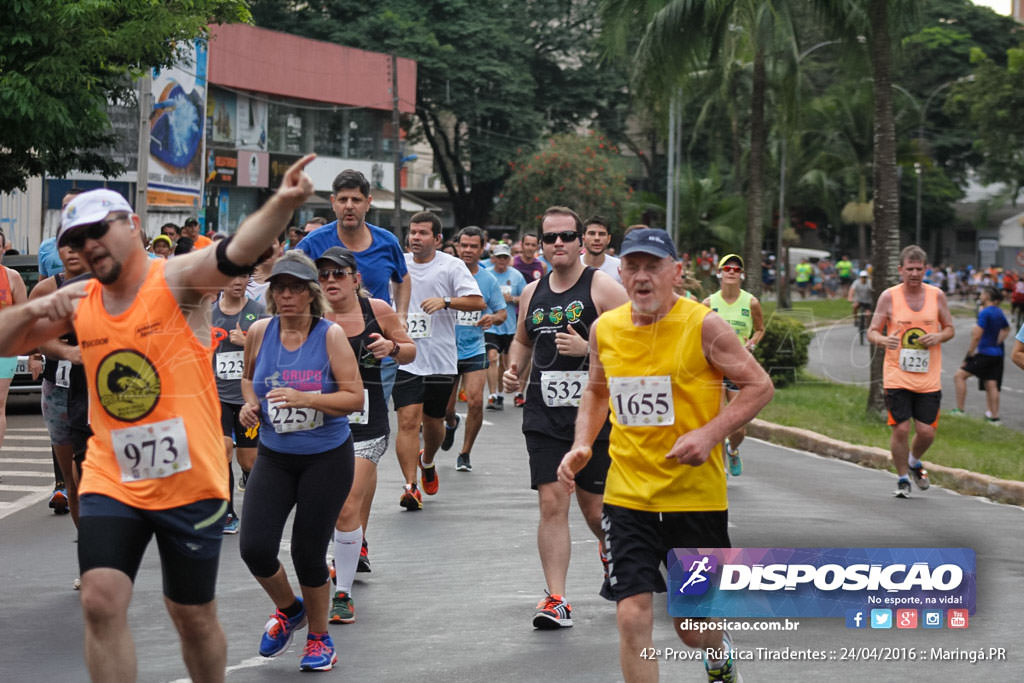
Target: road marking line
24 449
25 461
27 429
24 487
26 437
40 494
250 663
26 473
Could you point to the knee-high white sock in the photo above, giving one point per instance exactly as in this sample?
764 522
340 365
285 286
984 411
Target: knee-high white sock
347 545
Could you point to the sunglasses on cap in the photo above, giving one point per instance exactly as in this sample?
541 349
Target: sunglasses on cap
338 273
565 236
76 238
731 269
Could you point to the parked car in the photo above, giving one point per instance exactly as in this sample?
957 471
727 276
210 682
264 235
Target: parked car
28 267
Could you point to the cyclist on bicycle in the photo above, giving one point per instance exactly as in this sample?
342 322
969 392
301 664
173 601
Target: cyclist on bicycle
861 297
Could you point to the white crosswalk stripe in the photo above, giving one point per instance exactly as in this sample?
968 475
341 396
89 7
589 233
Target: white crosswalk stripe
26 470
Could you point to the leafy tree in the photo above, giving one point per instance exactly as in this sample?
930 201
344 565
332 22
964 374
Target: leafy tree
492 78
993 102
582 172
62 62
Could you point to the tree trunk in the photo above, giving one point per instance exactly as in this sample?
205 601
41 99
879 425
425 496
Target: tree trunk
885 242
755 182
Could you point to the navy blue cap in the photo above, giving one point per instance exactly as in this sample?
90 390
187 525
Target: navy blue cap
648 241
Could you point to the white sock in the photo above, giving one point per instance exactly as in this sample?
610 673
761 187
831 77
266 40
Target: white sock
347 545
912 461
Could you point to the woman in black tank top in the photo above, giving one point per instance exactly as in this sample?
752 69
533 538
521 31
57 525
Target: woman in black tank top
375 332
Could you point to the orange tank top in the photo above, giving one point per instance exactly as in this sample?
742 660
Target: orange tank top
913 366
6 293
153 402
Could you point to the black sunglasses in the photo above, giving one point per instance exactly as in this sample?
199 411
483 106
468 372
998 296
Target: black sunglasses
566 236
338 273
75 239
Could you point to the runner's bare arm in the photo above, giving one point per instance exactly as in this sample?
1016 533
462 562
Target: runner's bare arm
879 323
402 292
192 275
1018 354
521 347
249 415
26 325
757 317
945 320
590 417
726 353
394 333
606 292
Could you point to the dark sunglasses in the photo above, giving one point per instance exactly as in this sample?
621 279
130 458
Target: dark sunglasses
75 239
338 274
566 236
293 287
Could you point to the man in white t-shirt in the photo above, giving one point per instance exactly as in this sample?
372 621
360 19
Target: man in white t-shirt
596 237
441 285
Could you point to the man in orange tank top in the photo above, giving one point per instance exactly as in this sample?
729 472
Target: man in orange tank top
911 321
156 463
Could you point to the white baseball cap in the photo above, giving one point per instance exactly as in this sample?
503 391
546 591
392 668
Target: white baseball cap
91 207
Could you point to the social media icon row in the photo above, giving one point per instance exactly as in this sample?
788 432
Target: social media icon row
906 618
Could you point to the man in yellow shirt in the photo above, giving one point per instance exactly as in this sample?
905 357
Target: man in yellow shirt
657 363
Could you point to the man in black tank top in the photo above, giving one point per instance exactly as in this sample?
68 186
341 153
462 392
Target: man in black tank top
555 315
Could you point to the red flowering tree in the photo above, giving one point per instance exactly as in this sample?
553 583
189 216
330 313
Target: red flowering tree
584 172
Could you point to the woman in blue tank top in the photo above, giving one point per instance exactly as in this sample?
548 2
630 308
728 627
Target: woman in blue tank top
300 379
375 332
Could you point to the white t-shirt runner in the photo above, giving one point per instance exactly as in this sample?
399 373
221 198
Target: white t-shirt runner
442 276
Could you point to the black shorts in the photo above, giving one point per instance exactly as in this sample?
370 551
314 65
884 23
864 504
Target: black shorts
500 342
637 544
546 453
904 404
985 368
114 535
473 363
230 427
432 391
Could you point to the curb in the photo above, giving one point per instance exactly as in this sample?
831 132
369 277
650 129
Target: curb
956 479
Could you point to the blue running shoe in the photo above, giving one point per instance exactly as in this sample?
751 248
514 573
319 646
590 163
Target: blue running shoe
726 671
319 654
231 524
278 631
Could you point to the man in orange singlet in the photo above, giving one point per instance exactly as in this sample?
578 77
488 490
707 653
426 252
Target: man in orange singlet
155 465
911 321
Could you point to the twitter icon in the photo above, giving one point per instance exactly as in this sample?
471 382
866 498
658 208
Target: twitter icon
881 618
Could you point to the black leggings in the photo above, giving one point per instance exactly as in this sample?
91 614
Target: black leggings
316 486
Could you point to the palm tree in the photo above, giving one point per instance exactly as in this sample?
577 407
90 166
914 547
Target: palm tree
875 21
683 36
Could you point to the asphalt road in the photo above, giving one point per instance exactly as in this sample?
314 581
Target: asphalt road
835 353
453 587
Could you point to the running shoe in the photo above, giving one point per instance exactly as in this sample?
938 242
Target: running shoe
449 434
994 421
243 480
920 476
279 630
519 401
231 525
733 456
333 571
77 584
319 654
724 673
428 477
411 498
552 612
492 402
605 562
342 609
462 463
59 502
956 412
501 402
462 396
902 488
364 559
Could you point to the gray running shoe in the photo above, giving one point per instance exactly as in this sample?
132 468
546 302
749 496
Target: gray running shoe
462 463
902 488
920 476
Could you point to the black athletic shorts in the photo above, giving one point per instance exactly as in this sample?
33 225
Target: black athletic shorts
546 453
114 535
985 368
501 342
233 429
473 363
904 404
637 544
433 391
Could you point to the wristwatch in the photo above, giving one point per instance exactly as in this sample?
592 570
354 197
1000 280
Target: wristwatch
394 350
447 302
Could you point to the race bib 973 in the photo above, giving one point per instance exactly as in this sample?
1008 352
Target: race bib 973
151 451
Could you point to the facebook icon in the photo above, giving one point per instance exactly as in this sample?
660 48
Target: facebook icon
855 618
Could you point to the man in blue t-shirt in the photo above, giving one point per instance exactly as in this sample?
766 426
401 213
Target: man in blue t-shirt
498 339
377 251
469 337
985 355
